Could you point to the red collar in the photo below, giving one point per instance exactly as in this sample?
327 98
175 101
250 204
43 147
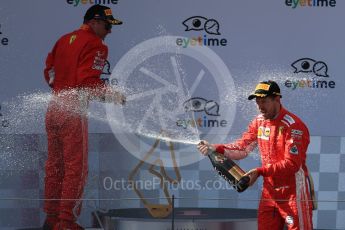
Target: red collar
281 114
87 28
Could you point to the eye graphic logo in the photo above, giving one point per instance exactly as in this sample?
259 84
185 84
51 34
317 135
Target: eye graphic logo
198 104
198 23
308 65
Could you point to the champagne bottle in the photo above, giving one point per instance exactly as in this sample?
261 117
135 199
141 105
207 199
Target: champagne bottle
229 170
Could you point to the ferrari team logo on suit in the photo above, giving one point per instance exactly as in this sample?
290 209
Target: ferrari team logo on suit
72 39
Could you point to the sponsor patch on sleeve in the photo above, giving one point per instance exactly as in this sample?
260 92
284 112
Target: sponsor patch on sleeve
294 150
288 119
296 132
289 220
99 61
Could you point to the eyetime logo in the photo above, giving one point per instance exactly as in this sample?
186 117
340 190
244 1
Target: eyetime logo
3 39
315 74
199 104
200 23
91 2
310 3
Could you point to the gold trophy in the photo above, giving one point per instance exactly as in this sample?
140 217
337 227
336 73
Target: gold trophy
157 210
230 171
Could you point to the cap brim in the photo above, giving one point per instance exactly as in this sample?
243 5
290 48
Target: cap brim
252 96
114 21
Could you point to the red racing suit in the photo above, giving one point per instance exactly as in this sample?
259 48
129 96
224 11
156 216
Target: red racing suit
282 143
73 70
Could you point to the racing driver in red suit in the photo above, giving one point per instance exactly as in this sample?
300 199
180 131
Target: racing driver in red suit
282 139
73 70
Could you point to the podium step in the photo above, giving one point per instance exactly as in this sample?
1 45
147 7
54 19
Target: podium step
184 218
